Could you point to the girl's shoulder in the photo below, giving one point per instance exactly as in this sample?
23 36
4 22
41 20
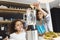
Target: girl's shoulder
12 34
18 34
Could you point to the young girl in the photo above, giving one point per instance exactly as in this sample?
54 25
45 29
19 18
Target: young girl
17 31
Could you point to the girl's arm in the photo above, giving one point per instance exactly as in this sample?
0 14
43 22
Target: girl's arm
6 38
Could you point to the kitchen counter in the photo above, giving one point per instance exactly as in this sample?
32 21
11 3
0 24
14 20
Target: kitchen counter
42 38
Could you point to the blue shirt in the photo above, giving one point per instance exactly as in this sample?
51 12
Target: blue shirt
40 28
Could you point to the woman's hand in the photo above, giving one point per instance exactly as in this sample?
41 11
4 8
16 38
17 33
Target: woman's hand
37 6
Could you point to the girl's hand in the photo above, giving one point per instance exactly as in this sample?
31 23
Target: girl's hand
6 38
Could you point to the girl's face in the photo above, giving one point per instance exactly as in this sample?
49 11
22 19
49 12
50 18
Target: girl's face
18 26
40 15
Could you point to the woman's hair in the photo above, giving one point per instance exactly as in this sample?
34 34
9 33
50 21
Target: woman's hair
12 26
38 13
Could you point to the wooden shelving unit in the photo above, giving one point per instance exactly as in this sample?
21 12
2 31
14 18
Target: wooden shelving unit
14 4
13 10
10 10
7 22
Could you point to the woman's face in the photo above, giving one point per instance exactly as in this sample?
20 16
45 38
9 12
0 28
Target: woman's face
40 15
18 26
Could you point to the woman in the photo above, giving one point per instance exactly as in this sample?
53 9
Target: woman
42 19
41 23
17 31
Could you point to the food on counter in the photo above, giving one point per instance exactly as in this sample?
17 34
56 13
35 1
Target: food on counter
58 34
50 35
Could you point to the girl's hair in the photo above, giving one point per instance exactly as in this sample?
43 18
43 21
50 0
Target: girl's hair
12 26
38 13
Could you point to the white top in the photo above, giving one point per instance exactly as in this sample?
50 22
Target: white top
21 36
47 25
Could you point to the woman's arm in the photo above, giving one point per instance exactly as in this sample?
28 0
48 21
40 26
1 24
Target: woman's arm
37 6
46 15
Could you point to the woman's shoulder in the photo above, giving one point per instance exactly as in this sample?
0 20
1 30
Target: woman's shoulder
37 22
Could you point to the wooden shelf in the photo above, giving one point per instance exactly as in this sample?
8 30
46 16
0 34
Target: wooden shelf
15 4
2 22
7 21
12 10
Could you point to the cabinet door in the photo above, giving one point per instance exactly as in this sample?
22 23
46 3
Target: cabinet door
55 12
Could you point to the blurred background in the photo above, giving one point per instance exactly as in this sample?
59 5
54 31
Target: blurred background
6 17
